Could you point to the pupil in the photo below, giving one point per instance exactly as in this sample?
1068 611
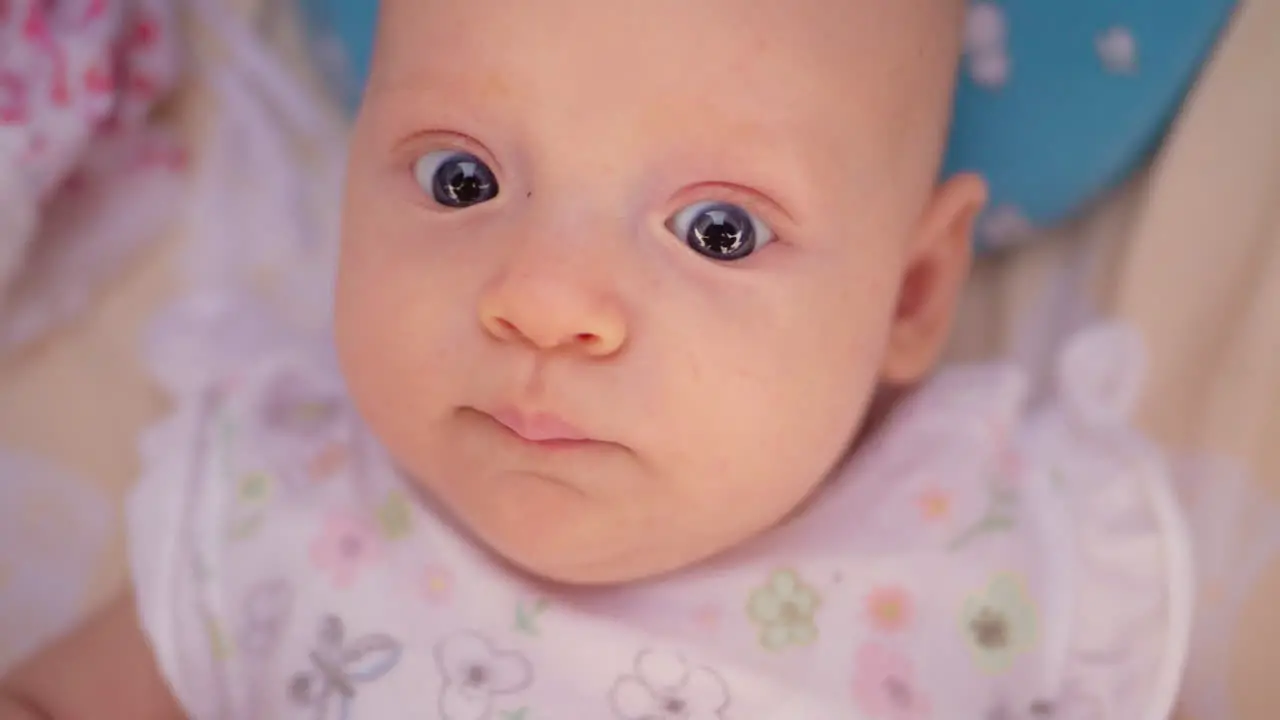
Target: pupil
723 232
463 181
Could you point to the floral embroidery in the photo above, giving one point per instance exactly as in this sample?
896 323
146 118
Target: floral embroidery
474 673
664 687
884 685
253 493
254 489
340 667
890 609
308 424
935 505
219 647
527 615
1038 710
328 461
707 617
998 517
437 584
347 543
395 517
1001 624
267 608
293 407
783 610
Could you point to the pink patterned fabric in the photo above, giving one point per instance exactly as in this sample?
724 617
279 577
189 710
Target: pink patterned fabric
85 173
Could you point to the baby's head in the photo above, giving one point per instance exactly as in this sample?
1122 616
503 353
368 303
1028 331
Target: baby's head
620 279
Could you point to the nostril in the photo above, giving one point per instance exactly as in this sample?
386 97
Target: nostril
587 338
507 327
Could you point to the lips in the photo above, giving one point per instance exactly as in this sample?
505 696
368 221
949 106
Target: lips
540 427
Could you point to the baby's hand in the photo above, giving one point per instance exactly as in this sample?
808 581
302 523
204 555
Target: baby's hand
104 670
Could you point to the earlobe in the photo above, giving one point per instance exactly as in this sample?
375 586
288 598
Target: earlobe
935 273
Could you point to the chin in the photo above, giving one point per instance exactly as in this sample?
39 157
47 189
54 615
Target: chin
565 552
587 555
551 552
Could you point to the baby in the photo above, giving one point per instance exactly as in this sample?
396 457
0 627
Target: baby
632 413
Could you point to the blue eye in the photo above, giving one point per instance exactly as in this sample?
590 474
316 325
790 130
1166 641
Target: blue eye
455 179
720 231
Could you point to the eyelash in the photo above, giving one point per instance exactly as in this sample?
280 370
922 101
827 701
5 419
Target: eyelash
725 193
411 151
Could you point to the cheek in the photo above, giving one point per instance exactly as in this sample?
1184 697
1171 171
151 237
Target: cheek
776 396
396 321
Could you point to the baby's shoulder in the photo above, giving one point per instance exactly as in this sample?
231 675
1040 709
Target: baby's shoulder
260 482
992 473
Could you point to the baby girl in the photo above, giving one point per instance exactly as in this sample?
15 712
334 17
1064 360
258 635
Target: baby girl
632 413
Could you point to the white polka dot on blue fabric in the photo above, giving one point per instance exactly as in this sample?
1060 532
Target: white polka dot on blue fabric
1058 102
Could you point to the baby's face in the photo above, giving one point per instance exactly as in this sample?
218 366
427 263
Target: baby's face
619 279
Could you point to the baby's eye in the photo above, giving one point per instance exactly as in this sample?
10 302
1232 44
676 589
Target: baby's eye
455 179
720 231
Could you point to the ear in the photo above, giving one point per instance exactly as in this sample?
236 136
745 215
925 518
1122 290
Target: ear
937 267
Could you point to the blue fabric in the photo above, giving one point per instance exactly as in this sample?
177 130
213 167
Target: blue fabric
343 33
1057 102
1060 101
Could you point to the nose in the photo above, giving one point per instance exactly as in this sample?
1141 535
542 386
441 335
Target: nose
551 311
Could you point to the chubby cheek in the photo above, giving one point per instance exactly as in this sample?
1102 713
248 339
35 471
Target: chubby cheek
778 441
773 405
394 330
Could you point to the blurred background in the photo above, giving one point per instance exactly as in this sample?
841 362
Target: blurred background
193 163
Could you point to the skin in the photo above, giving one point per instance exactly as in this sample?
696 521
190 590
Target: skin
717 396
721 394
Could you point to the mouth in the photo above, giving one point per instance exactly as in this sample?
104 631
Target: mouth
543 430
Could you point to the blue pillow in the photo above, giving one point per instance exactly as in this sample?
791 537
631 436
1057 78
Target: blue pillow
1057 102
1060 101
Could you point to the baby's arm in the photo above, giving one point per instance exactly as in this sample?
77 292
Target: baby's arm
104 670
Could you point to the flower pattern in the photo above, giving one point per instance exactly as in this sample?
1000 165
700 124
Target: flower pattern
474 673
309 424
1000 623
295 406
395 517
783 610
664 687
437 584
884 685
889 609
935 505
254 493
347 543
266 611
327 462
254 489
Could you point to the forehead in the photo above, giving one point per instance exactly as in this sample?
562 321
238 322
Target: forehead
778 66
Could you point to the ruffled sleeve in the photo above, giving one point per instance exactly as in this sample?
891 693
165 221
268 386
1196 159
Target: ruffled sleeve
1121 586
165 556
217 356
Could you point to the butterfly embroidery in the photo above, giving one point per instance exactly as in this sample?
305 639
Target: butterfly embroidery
339 668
